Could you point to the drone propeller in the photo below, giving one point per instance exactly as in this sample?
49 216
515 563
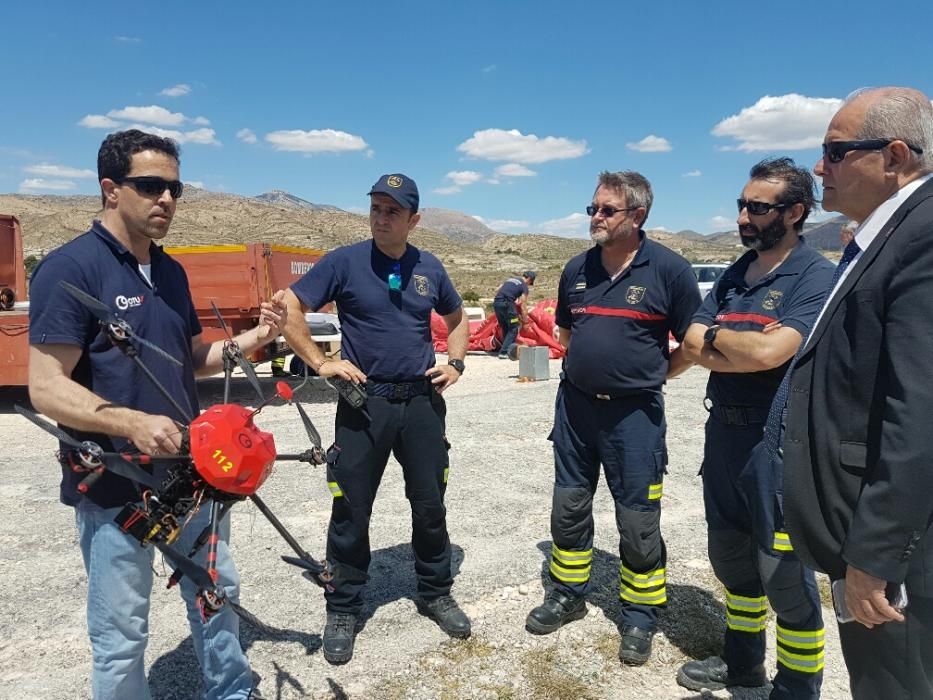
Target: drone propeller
236 354
213 595
119 328
95 459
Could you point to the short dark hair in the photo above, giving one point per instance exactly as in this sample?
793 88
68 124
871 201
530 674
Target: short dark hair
799 185
116 152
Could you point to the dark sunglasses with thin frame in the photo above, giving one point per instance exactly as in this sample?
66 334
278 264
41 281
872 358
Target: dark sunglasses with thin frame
758 208
154 185
607 212
835 151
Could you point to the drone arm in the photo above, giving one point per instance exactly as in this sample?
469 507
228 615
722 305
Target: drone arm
286 535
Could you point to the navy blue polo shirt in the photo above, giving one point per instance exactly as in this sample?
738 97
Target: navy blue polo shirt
792 294
386 332
98 264
619 328
511 289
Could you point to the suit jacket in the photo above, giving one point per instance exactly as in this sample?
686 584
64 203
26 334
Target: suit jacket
858 443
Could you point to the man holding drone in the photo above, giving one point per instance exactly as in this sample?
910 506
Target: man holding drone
79 378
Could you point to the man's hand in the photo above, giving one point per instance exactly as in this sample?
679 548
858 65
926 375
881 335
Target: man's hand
155 435
442 377
866 599
341 368
273 315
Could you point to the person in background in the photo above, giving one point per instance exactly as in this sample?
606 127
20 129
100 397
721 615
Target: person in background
509 306
617 304
847 232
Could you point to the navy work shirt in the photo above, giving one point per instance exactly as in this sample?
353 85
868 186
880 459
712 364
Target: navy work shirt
511 289
792 293
619 328
386 332
98 264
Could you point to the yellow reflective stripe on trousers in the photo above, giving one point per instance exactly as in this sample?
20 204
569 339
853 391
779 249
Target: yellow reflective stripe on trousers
569 556
334 489
581 575
802 639
782 542
804 663
745 614
571 566
655 491
446 471
649 588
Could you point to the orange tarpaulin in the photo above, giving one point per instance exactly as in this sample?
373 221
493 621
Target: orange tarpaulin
488 336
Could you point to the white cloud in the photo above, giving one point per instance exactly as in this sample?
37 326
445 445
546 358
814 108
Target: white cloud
200 136
692 173
195 183
573 225
153 114
464 177
514 146
453 189
176 90
98 121
370 153
493 181
490 68
650 144
49 170
37 183
128 39
722 222
504 224
783 123
246 136
514 170
201 121
315 141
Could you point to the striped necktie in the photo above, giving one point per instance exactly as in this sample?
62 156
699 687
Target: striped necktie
774 426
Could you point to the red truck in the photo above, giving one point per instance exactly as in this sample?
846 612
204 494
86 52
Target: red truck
237 278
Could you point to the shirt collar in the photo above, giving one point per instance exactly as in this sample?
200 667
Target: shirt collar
118 248
791 265
869 229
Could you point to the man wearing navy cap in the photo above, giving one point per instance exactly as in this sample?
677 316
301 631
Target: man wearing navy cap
509 305
618 301
385 290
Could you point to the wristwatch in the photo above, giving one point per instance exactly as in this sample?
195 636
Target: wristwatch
457 365
710 335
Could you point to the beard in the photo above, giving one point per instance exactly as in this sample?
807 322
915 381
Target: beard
598 235
762 238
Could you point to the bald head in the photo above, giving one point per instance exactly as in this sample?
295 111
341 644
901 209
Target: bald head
899 113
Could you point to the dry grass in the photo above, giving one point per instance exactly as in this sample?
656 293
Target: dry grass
549 680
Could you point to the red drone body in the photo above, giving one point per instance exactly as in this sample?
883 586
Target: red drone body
229 451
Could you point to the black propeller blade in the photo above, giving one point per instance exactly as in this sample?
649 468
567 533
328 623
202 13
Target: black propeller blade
118 327
237 354
312 432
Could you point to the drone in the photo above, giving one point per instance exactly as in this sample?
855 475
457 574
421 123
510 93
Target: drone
224 459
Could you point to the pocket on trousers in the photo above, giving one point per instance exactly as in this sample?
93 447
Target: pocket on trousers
853 456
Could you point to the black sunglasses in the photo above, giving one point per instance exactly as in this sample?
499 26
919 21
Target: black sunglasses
835 151
758 208
154 185
607 212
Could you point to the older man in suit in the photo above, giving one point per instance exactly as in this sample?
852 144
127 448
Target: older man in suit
858 440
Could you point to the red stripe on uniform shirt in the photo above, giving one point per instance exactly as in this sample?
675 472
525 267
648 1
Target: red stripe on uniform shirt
628 313
754 318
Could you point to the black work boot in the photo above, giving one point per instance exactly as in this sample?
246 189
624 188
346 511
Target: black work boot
635 648
557 609
339 634
447 614
713 674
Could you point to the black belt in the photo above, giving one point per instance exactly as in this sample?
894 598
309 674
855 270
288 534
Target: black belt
399 391
738 415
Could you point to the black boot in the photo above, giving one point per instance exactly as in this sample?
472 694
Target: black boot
635 648
557 609
339 635
713 674
447 614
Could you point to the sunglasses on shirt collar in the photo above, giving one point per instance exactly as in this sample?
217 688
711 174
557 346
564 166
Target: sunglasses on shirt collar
152 185
835 151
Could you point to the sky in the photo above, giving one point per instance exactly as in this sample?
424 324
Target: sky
506 111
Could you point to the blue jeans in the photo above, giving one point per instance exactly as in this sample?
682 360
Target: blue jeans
119 573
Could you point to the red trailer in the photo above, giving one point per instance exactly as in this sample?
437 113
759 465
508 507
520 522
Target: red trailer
14 307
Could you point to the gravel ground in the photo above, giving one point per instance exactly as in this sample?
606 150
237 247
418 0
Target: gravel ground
498 514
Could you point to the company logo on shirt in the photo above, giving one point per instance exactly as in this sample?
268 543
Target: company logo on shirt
772 300
421 285
634 294
123 303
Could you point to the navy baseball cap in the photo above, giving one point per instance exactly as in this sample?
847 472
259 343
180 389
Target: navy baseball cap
399 187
